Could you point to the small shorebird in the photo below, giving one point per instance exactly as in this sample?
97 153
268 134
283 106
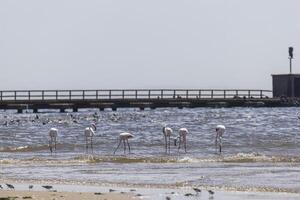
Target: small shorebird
89 133
10 186
197 190
48 187
124 137
53 135
111 190
167 131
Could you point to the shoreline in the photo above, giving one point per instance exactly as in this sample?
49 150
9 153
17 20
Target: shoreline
117 192
175 186
38 195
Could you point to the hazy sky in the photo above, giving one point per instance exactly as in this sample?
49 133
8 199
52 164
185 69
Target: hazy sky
101 44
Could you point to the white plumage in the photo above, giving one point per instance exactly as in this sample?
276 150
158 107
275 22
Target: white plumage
124 137
89 133
182 137
220 130
53 132
167 131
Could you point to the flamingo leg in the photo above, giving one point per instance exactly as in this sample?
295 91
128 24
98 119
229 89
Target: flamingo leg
169 138
220 145
86 145
184 141
179 143
118 146
128 145
55 144
124 144
166 144
50 145
92 144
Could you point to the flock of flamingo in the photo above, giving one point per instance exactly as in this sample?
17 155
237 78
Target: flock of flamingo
124 137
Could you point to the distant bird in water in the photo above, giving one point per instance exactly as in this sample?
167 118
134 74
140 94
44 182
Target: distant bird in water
167 131
188 194
123 137
10 186
89 133
182 138
211 192
168 198
30 187
197 190
48 187
53 135
220 130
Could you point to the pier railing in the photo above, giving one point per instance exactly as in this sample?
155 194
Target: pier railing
45 95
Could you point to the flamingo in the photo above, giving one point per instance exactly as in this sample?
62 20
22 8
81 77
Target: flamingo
89 133
182 137
220 130
124 137
167 131
53 135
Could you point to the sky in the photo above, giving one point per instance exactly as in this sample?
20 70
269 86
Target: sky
134 44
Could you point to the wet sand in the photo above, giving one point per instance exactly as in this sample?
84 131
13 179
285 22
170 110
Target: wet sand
91 192
40 195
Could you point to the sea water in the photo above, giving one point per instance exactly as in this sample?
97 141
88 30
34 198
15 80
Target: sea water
260 151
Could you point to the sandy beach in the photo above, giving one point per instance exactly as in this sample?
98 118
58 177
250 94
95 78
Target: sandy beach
92 192
45 195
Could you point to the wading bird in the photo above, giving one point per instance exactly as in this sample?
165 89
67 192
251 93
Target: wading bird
167 131
220 130
182 138
10 186
124 138
53 135
89 133
48 187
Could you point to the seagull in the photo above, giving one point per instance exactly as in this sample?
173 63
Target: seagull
48 187
9 186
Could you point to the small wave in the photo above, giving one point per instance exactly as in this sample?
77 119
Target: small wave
33 148
125 159
24 148
256 157
93 159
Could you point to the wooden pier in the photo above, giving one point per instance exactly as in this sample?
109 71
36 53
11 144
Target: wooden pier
61 100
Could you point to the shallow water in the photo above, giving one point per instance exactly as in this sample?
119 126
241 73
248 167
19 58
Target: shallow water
260 148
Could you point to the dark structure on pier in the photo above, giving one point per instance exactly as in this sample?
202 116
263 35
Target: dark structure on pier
287 85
